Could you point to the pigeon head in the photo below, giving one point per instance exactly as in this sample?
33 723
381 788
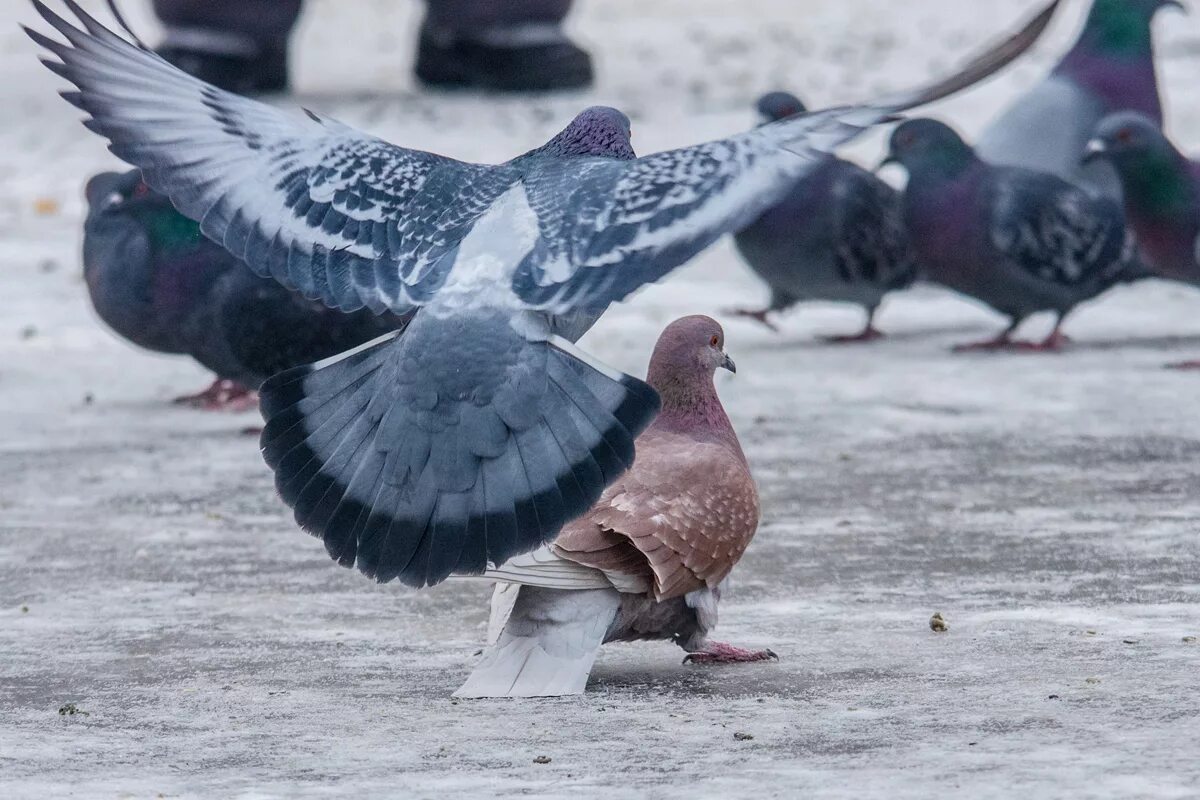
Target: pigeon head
775 106
123 200
597 131
1153 172
1123 26
688 352
926 145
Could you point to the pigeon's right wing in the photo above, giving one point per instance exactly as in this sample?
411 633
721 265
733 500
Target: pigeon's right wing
1058 232
338 215
608 227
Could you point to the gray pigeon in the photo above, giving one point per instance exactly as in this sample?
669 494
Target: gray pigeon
1162 195
156 281
648 560
1110 68
838 235
478 434
1018 240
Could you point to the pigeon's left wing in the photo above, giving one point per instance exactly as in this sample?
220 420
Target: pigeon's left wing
609 227
342 217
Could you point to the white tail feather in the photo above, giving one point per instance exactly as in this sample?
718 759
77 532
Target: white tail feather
547 646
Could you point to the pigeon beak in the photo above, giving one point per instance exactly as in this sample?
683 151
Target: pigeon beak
888 161
1095 149
727 363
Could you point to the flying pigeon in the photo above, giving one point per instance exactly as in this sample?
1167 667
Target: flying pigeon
647 561
156 281
1110 68
838 235
1161 187
1020 241
478 434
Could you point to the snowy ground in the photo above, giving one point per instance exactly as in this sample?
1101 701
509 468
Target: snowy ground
1046 505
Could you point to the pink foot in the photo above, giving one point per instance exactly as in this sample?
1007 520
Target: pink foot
758 316
1054 343
868 334
222 395
1185 366
721 653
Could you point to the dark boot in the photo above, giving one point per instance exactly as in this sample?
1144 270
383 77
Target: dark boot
262 71
528 57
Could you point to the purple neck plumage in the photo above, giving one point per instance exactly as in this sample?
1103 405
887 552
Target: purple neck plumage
1114 57
690 404
598 131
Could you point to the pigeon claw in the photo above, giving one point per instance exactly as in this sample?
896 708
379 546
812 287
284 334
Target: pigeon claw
222 395
721 653
761 316
1185 366
868 334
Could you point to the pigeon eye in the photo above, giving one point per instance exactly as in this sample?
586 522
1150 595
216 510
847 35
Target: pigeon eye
715 341
1125 136
141 190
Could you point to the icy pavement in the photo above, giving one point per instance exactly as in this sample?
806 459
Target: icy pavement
1045 505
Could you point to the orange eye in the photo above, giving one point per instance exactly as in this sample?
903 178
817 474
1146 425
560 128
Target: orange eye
1125 136
716 340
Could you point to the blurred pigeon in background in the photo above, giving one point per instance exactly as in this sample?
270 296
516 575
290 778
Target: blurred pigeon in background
156 281
1020 241
647 561
1111 68
479 433
838 235
1161 188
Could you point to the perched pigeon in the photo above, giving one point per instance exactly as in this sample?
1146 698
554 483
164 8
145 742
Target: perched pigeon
1162 194
838 235
478 434
647 561
1110 68
157 282
1018 240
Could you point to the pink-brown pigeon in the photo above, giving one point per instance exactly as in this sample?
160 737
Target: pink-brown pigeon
647 561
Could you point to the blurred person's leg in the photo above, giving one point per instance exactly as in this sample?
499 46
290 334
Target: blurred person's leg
239 45
506 45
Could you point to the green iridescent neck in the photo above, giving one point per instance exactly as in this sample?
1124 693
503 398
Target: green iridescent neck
1118 27
169 231
1156 183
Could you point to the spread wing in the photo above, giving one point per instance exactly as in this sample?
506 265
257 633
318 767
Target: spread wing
338 215
609 227
682 517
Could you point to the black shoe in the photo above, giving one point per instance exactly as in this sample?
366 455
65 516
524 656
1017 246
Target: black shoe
263 73
502 62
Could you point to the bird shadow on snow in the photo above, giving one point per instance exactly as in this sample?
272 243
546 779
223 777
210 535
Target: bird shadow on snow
1156 343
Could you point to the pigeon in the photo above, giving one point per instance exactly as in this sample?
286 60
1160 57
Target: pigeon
838 235
647 562
157 282
1110 68
1161 188
480 432
1020 241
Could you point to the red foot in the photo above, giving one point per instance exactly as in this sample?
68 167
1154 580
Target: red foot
222 395
721 653
1186 366
758 316
868 334
1053 344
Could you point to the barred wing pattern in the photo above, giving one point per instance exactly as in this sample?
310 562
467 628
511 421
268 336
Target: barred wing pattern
342 217
608 227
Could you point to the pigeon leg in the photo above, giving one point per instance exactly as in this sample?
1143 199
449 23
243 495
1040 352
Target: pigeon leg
1185 366
1002 342
222 395
1055 342
721 653
758 316
868 334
